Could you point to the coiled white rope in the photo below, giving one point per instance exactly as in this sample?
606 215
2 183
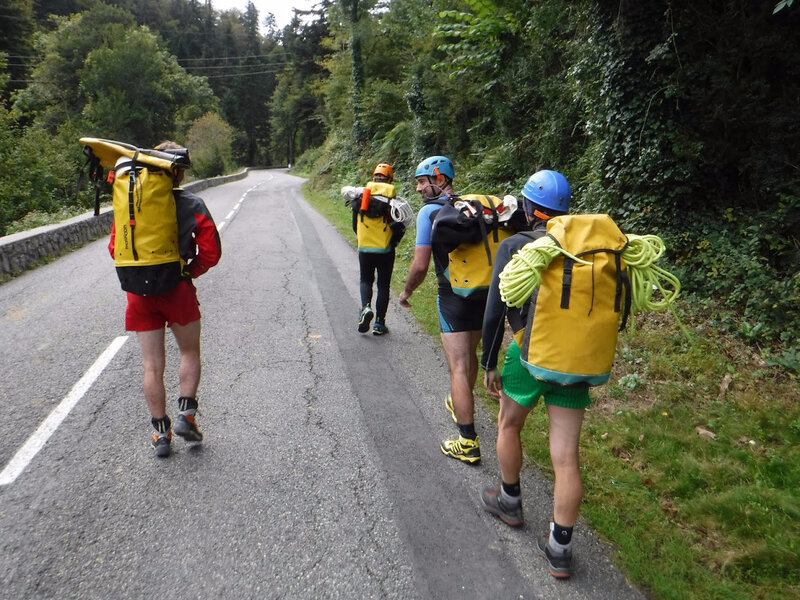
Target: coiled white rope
402 212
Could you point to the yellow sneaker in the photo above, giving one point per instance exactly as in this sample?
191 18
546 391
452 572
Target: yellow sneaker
463 449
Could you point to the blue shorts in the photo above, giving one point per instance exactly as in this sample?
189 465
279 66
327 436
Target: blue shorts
524 389
457 313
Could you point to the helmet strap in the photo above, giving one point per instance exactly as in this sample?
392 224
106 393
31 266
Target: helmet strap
540 214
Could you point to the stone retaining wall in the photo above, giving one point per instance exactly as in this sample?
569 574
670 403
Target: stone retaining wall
23 250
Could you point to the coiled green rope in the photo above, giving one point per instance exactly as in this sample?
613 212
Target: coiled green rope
640 254
524 272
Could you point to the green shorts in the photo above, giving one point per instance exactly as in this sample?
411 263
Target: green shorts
524 389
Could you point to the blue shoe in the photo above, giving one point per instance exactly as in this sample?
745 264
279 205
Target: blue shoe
365 318
379 328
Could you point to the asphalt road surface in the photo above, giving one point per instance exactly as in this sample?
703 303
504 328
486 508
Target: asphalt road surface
320 475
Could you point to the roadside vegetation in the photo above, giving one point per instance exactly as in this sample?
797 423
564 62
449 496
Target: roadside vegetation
677 119
691 453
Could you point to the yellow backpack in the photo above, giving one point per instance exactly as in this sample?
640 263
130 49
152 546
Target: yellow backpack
470 262
146 253
372 230
578 309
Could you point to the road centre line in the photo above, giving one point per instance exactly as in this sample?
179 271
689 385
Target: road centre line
229 217
39 437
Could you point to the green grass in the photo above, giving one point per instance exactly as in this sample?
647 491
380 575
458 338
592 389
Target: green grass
690 455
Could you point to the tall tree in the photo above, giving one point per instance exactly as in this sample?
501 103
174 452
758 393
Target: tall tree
16 42
54 95
137 92
297 110
353 11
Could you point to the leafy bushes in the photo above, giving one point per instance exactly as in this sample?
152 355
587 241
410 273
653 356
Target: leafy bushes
209 141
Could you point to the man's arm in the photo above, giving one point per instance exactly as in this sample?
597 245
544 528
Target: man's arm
494 316
417 271
198 238
209 247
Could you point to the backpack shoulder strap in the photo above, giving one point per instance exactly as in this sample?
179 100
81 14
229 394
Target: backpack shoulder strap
95 176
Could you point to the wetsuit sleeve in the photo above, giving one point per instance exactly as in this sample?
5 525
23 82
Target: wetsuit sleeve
209 247
198 237
425 224
494 316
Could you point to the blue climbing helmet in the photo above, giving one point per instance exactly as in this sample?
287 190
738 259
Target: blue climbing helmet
435 165
547 189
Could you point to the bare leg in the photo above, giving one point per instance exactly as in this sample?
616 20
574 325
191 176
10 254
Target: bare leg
565 431
460 349
154 361
510 422
188 338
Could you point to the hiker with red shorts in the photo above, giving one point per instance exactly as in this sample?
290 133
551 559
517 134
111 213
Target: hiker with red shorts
177 308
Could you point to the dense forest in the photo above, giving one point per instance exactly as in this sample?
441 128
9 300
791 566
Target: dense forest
677 118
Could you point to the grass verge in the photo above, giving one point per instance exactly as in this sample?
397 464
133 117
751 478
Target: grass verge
690 455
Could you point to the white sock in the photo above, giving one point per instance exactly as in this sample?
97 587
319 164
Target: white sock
555 547
508 499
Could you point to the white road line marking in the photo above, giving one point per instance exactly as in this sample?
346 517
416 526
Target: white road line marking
229 217
39 437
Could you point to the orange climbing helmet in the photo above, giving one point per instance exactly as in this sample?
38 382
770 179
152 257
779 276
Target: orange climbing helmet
385 170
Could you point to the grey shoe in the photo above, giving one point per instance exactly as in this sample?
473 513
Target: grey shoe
186 427
493 502
161 443
560 564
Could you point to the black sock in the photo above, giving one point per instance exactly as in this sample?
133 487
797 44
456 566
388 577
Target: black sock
562 534
512 489
186 403
467 431
161 425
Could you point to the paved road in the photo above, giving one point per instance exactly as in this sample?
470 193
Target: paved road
320 476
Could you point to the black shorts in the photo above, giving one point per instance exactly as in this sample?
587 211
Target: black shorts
457 313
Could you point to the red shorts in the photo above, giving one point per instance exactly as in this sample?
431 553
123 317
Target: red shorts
179 305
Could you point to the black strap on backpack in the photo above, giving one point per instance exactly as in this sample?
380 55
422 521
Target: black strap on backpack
623 286
566 281
131 210
95 177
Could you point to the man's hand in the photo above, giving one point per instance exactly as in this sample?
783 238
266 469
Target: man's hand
493 383
404 296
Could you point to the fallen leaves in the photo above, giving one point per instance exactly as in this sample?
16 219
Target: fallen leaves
705 433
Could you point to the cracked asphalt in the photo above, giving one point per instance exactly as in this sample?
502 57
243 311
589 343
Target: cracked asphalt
320 475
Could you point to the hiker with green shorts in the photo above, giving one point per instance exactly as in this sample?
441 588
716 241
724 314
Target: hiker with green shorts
546 194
